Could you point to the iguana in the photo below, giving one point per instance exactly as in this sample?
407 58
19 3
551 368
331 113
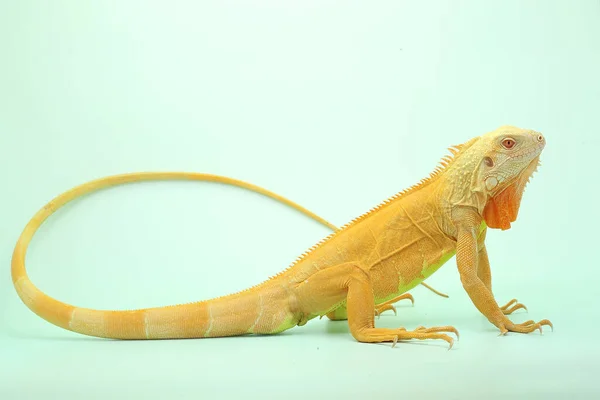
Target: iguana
358 271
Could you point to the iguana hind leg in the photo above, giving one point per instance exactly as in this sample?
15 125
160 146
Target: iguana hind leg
331 286
361 315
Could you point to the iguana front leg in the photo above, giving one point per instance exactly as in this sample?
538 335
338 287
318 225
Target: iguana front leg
467 222
484 273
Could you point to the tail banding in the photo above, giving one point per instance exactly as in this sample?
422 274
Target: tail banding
185 320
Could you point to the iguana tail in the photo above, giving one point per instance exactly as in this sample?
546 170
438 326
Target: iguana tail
186 320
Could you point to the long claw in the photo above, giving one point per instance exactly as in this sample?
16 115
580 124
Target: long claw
547 323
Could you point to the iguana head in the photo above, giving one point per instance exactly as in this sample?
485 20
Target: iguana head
507 157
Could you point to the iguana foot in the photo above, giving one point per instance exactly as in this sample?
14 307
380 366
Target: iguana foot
387 305
423 333
525 327
507 309
379 335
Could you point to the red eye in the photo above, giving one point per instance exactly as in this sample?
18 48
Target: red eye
508 143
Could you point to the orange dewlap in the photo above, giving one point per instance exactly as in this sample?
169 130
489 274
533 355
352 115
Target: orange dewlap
502 209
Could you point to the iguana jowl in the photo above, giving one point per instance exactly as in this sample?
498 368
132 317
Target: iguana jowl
354 273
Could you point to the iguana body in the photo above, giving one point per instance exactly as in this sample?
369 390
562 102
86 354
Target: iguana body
374 259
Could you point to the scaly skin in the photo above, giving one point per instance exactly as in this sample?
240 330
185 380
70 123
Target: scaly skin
355 273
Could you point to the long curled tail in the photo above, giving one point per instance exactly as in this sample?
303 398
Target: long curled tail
120 324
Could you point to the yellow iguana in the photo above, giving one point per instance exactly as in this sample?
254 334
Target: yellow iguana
358 271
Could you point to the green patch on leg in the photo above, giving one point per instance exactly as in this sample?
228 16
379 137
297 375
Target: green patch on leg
289 322
482 226
339 314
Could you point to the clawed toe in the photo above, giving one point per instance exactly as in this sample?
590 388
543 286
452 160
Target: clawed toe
528 327
507 309
422 335
379 335
438 329
514 308
386 307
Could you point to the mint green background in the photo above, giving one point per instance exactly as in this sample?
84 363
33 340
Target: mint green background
336 105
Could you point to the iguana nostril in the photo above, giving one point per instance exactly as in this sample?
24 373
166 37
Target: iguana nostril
540 138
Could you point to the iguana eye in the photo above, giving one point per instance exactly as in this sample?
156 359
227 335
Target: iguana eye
508 143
